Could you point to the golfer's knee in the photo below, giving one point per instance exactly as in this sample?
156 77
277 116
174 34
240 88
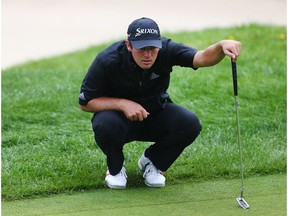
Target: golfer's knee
191 128
108 125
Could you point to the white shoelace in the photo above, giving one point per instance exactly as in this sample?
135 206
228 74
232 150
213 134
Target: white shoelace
122 172
150 170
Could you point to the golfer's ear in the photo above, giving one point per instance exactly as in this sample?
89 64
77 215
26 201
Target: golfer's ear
128 45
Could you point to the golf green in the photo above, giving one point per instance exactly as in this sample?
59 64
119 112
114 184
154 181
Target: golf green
265 195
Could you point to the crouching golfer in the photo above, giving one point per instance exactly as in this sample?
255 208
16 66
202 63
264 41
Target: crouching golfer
125 87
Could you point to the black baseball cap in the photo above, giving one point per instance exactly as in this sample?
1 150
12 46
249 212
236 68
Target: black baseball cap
144 32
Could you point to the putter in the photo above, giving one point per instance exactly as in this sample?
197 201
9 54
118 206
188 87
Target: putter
240 199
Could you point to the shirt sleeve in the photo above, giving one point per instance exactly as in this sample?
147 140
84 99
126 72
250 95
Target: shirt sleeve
94 84
180 54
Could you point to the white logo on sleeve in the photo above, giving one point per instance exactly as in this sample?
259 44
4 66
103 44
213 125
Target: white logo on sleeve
82 96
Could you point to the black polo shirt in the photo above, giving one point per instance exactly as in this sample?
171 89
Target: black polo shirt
113 73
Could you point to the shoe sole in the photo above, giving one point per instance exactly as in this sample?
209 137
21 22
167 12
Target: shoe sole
154 185
119 187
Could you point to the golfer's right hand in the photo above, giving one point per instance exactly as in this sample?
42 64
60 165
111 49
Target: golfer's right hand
133 111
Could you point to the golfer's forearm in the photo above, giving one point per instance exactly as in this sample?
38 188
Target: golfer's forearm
210 56
103 103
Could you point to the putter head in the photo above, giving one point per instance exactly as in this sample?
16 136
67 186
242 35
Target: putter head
242 202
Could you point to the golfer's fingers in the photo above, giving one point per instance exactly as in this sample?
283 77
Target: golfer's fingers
236 50
229 53
232 49
132 117
232 53
145 114
138 116
142 115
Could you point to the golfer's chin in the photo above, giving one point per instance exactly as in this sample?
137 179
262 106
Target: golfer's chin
146 66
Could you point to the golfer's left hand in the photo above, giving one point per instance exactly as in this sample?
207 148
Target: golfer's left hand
231 48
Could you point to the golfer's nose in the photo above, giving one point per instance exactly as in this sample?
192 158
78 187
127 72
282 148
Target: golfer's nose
147 52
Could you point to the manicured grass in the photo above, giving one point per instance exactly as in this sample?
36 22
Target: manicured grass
48 145
265 195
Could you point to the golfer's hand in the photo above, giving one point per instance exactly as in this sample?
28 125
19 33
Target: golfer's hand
231 48
133 111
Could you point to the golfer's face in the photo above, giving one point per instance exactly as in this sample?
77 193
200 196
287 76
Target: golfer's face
145 57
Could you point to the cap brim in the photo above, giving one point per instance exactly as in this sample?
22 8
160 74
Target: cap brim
146 43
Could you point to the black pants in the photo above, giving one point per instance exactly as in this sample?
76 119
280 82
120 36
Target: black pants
171 130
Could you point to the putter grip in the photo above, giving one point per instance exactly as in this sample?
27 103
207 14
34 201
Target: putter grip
234 77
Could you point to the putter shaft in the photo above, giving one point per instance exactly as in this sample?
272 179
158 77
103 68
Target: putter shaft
240 199
239 145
